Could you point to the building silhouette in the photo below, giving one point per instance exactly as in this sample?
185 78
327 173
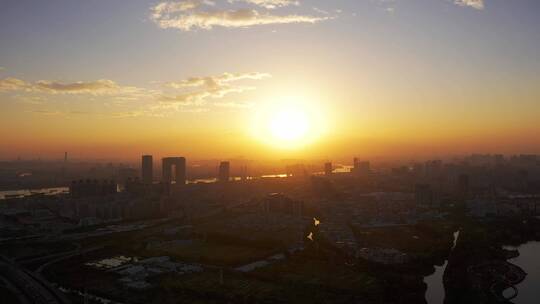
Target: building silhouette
147 169
328 169
92 187
361 167
179 164
224 171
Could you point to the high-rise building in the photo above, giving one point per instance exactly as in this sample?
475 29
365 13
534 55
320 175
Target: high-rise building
65 157
147 169
179 165
328 169
224 171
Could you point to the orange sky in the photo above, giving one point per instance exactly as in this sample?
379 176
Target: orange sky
370 78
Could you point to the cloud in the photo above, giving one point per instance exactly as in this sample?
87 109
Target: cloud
165 9
269 4
212 82
194 94
47 112
13 84
196 91
187 15
477 4
98 88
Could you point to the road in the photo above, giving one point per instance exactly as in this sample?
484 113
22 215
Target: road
33 287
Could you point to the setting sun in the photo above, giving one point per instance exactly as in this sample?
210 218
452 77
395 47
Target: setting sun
290 123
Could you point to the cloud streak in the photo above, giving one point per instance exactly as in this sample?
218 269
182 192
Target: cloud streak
197 90
194 94
98 87
477 4
269 4
190 15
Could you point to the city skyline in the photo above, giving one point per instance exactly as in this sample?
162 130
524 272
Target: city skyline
211 79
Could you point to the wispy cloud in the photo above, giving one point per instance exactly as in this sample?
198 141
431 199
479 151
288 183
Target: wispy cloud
12 84
194 94
195 91
46 112
269 4
189 15
477 4
98 87
212 82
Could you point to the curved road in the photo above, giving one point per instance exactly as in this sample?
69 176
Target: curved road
31 285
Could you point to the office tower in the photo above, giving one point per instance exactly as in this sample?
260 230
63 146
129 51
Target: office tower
147 169
179 164
328 169
355 163
65 157
224 171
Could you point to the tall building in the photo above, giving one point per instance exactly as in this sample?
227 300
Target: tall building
328 169
147 169
65 157
224 171
179 165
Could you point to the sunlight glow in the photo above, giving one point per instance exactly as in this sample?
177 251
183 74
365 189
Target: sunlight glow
288 122
289 125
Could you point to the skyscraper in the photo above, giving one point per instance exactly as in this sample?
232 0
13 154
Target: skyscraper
147 169
328 169
179 164
224 171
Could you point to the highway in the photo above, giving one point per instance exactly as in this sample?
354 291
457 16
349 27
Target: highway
33 287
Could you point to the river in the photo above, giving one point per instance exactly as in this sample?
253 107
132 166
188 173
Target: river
435 291
28 192
529 261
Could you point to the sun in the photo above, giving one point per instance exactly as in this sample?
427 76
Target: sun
288 122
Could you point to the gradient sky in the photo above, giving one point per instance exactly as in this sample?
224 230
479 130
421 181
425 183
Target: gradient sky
387 77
